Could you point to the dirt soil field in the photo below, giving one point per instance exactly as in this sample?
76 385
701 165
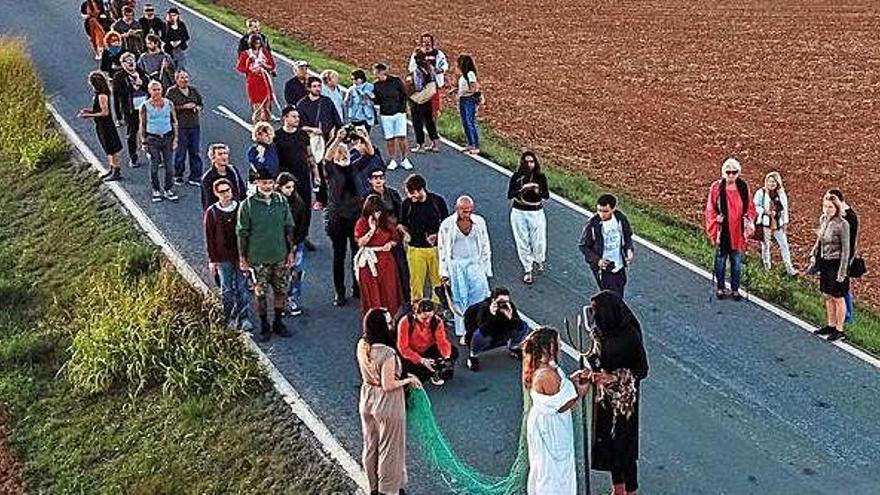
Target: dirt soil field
10 468
650 96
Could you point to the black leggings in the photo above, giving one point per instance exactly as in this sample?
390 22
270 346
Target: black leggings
423 117
627 475
132 126
342 238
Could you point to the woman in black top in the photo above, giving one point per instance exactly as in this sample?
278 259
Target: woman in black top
175 38
619 363
104 127
528 190
422 114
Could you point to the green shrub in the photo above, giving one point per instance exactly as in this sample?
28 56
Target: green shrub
26 135
154 331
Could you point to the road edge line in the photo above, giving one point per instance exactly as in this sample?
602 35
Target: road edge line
294 400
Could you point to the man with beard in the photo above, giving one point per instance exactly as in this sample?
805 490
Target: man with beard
150 24
130 92
292 143
156 63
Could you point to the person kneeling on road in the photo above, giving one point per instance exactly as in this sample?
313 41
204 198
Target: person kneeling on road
265 243
424 345
492 323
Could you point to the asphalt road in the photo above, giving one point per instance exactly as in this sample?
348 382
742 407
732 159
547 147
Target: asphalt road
738 400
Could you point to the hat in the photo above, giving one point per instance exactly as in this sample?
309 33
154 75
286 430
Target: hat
300 63
173 10
148 7
261 173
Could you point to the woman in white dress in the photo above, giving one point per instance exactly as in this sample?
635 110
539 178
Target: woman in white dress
549 427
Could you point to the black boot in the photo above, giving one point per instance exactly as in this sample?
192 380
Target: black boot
278 326
265 332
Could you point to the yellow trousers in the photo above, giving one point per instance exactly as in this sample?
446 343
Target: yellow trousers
424 264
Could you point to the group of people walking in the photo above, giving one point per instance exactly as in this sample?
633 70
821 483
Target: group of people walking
415 266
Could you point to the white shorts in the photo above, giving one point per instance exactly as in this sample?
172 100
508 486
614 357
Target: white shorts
393 126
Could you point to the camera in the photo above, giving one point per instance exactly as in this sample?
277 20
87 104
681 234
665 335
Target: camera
351 135
444 368
609 267
503 305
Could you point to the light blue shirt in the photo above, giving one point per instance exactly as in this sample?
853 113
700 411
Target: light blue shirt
336 96
359 104
158 119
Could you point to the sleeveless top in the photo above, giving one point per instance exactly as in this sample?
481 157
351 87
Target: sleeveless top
158 119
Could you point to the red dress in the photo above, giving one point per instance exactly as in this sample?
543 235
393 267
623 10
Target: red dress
382 290
256 66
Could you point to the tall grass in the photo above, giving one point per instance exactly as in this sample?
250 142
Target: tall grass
25 133
132 322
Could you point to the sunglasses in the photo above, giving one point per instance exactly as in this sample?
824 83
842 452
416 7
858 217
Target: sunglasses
377 177
731 172
224 190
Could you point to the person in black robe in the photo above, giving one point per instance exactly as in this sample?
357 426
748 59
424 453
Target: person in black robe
617 346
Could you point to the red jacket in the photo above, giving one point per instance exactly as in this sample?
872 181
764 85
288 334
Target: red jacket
735 208
412 342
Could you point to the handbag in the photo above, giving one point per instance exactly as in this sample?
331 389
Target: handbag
758 235
857 267
425 94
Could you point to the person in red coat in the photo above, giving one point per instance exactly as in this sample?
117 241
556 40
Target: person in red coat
258 64
730 220
375 267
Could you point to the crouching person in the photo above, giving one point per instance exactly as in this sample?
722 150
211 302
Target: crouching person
491 323
424 345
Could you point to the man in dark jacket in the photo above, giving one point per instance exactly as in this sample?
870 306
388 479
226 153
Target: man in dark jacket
491 323
607 245
218 153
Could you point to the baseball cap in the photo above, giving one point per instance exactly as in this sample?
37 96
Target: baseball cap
300 63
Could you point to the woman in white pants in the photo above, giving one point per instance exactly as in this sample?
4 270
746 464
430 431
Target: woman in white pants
771 205
528 190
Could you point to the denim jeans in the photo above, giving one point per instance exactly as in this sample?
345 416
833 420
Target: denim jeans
296 278
481 342
234 293
188 145
736 259
159 148
467 109
849 306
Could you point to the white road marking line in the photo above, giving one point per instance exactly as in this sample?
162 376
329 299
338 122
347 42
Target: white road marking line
299 407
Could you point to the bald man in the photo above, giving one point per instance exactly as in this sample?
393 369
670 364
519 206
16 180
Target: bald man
465 259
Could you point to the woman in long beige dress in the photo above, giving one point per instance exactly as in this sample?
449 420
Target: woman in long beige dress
382 409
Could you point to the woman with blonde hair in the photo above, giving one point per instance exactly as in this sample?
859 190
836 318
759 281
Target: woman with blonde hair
263 154
382 406
830 259
772 208
330 88
548 427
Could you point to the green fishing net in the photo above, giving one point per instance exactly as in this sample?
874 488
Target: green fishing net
458 475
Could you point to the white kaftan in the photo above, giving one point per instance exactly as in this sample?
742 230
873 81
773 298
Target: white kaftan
551 442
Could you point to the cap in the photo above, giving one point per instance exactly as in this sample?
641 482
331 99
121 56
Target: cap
148 7
173 10
261 173
300 63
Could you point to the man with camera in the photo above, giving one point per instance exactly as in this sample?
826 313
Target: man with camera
424 346
492 323
607 245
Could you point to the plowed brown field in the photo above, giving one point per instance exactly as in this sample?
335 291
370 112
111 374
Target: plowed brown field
650 96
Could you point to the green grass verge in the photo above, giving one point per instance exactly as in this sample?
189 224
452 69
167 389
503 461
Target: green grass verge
796 295
116 376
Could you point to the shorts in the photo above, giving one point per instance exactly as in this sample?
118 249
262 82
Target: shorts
393 126
275 276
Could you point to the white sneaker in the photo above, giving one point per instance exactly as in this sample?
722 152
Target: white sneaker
462 341
392 165
406 164
437 381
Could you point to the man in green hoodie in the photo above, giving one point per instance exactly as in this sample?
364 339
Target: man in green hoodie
265 246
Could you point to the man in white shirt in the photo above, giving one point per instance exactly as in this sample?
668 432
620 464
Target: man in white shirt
607 245
465 259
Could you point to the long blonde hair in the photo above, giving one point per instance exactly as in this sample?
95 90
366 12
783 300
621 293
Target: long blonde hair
778 178
541 342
